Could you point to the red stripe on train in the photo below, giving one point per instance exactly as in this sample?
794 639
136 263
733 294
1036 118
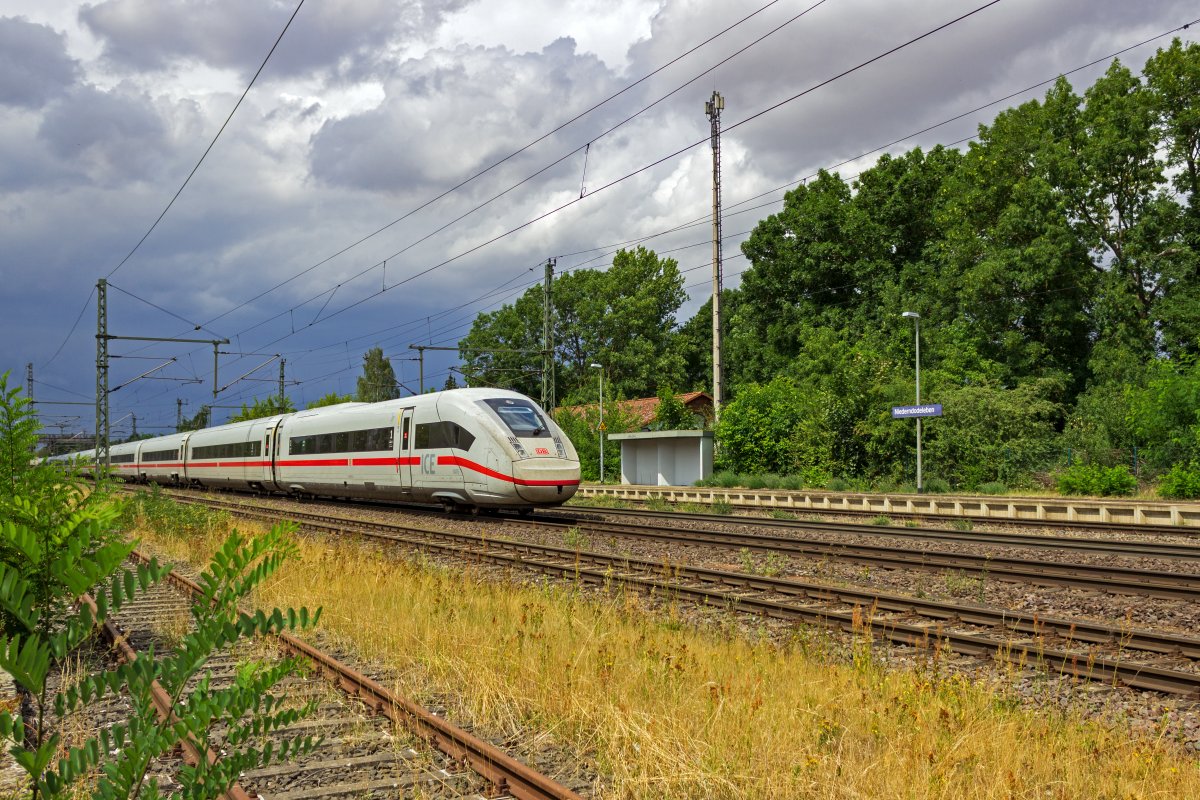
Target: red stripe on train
491 473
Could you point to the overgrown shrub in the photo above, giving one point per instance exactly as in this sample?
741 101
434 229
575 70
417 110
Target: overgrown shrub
993 488
1093 479
937 486
1181 483
791 482
726 480
838 485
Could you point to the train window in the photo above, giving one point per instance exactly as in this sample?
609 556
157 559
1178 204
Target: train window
434 435
521 416
215 451
159 455
363 441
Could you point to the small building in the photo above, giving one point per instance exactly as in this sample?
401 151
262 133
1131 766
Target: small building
665 458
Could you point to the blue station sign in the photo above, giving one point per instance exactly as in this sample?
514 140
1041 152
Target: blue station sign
907 412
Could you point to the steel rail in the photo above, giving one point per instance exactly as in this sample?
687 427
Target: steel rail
569 563
1140 548
163 706
505 774
1121 580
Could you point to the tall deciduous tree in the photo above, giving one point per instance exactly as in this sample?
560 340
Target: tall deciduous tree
378 381
267 407
623 318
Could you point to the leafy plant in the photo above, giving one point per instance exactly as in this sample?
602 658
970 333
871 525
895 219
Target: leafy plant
937 486
1181 483
1094 479
993 488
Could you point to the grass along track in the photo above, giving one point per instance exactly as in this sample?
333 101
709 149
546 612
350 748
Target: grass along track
1024 640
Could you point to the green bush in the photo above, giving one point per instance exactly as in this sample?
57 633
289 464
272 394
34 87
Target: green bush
756 482
1181 483
726 480
817 477
838 485
1093 479
791 482
993 487
937 486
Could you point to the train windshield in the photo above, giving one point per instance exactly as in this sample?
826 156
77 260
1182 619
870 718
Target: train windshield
521 416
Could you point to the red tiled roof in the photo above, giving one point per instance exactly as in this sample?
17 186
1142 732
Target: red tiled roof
646 407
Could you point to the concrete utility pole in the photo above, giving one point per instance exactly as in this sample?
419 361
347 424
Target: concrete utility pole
713 109
548 341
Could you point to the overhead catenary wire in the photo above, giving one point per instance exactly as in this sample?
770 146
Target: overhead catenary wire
981 107
617 181
503 160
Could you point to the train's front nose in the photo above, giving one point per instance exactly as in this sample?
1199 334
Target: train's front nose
546 481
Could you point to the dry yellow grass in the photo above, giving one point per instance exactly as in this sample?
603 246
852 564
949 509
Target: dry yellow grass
668 711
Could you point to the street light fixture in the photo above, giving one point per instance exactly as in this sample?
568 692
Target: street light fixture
916 318
601 368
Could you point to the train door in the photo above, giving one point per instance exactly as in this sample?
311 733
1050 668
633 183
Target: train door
270 447
404 464
259 465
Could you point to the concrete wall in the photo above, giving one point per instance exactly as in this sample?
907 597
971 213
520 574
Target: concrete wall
665 458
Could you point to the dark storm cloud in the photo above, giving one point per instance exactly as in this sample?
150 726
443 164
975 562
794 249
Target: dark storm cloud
34 65
105 136
1001 49
234 34
452 112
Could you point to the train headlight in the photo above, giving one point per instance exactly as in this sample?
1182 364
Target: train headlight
517 446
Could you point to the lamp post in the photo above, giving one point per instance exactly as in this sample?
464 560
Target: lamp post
601 368
916 318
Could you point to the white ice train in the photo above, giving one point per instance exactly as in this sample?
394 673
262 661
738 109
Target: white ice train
463 448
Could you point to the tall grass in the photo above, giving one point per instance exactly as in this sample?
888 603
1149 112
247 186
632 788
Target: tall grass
665 710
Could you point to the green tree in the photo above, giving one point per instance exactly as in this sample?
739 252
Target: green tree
201 420
671 414
269 406
1173 80
331 399
378 381
623 318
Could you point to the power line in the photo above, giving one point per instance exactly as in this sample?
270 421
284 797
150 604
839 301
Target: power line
924 130
82 311
196 326
501 161
208 149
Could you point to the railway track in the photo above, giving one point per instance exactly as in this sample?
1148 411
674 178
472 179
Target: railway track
361 754
1121 580
1092 651
1140 548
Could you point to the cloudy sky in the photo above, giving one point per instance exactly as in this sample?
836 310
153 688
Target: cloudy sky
316 196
